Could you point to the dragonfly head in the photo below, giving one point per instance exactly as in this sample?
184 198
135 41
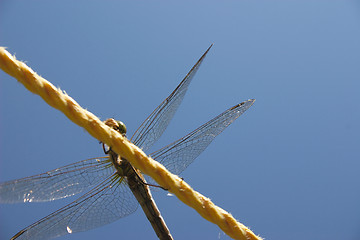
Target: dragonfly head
116 125
121 127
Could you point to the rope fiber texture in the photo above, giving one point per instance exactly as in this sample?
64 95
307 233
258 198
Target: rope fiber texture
96 128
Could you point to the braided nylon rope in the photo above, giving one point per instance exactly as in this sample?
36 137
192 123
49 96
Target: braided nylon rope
96 128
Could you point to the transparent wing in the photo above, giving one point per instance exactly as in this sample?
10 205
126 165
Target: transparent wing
58 183
109 201
178 155
154 126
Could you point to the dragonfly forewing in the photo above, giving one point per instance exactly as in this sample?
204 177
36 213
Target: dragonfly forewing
154 125
58 183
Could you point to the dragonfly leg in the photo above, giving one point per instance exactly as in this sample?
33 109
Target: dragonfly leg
148 184
153 185
105 151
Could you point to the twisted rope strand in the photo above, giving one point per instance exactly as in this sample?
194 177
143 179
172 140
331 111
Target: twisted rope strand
96 128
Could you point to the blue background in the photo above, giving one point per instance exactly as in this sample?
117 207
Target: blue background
288 168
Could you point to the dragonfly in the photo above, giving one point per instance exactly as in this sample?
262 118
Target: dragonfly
113 187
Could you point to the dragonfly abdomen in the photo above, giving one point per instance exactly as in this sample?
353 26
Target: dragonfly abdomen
142 193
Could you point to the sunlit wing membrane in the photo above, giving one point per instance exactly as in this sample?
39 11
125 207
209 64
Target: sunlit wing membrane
58 183
110 197
109 201
154 126
181 153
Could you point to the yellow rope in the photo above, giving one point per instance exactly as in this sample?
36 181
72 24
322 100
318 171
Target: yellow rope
61 101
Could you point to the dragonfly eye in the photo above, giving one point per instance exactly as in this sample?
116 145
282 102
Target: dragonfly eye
121 128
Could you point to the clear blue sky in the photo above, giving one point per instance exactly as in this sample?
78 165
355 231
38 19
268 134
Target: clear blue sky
288 168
